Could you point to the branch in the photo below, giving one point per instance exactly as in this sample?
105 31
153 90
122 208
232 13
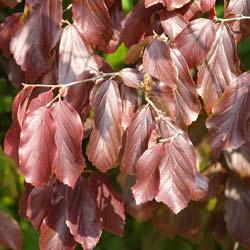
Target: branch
102 75
232 19
68 8
160 113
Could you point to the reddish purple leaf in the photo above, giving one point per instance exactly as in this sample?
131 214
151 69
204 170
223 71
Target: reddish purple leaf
131 77
100 29
139 17
192 10
200 190
109 203
69 161
172 23
11 3
37 147
195 40
35 203
237 215
54 232
168 169
228 122
37 36
82 214
10 232
15 75
219 69
105 140
129 105
158 62
170 4
75 55
7 28
207 5
137 138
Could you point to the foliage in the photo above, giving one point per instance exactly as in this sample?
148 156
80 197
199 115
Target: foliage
174 120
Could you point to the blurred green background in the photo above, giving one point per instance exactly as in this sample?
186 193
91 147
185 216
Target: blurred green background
139 234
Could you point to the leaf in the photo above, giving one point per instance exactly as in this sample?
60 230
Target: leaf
36 36
158 62
138 17
228 122
75 56
100 29
131 77
109 203
237 210
129 105
167 170
170 4
105 139
54 231
172 23
10 232
11 3
35 203
15 75
82 214
219 69
69 161
207 5
137 138
37 147
7 29
195 40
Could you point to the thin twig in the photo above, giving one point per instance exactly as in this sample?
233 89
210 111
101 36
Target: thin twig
102 75
170 138
68 8
232 19
159 112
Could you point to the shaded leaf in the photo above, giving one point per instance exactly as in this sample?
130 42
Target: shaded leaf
109 203
106 136
37 147
11 3
75 56
137 138
82 214
168 168
36 36
69 161
237 209
219 68
170 4
228 122
10 232
7 28
131 77
195 40
54 231
207 5
15 75
172 23
158 62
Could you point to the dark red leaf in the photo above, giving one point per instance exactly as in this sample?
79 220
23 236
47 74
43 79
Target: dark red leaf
35 203
195 40
82 214
158 62
237 209
200 190
54 232
37 147
109 203
219 69
166 171
170 4
100 29
15 75
74 51
106 137
207 5
7 28
69 161
228 122
10 232
129 105
137 137
131 77
191 10
11 3
172 23
138 17
37 35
